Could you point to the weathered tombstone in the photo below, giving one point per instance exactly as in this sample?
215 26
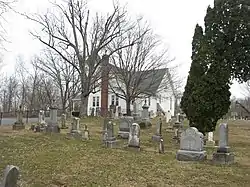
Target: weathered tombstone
158 135
161 146
63 121
104 127
110 140
19 125
75 128
86 133
134 136
124 126
145 115
178 129
11 175
52 125
210 140
223 154
41 122
191 146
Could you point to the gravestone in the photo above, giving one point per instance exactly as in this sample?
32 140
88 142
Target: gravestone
110 140
104 127
191 146
41 122
75 128
145 116
52 125
210 140
178 128
134 136
223 154
161 146
178 118
158 134
168 116
63 121
11 175
19 125
124 126
41 117
86 133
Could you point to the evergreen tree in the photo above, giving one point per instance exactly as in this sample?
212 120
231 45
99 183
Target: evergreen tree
227 28
195 69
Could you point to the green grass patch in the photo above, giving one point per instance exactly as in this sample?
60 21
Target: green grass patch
57 160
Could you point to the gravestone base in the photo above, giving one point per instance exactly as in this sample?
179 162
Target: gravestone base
184 155
64 127
223 158
210 143
133 148
123 134
111 143
156 138
51 128
76 134
18 126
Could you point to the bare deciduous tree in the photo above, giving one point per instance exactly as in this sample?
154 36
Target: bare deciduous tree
68 30
139 69
63 74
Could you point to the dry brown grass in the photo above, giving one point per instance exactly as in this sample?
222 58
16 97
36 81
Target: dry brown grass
53 161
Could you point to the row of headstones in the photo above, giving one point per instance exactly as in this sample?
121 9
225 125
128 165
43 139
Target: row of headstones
191 142
131 132
192 146
75 125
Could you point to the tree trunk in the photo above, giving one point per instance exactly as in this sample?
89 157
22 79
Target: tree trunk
128 107
84 106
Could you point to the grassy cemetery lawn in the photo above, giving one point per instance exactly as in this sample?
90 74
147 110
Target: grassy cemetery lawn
57 160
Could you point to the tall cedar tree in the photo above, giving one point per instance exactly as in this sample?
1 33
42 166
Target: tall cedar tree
197 69
207 97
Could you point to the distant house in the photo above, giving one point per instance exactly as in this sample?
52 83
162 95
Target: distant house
158 95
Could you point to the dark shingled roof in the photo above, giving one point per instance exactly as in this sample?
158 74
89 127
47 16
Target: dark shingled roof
152 80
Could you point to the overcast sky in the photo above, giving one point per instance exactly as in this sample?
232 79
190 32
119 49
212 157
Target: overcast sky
173 20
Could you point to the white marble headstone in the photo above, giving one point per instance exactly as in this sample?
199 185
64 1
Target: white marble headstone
192 140
134 136
223 134
168 116
210 136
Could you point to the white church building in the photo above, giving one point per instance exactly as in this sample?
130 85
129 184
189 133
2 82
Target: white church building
159 96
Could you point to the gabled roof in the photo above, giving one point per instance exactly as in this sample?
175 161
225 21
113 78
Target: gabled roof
152 80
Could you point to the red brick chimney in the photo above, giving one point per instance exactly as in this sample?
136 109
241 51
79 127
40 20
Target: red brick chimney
104 85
